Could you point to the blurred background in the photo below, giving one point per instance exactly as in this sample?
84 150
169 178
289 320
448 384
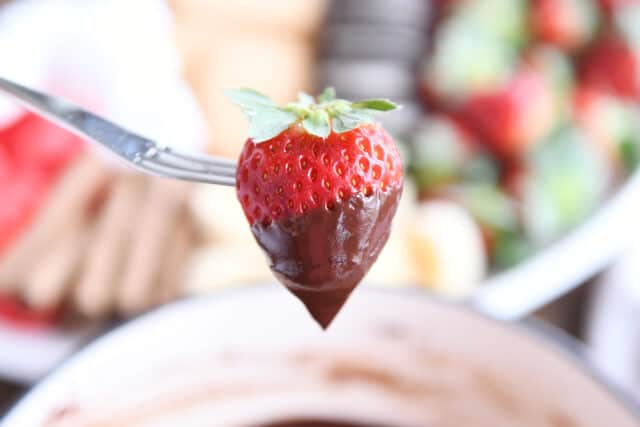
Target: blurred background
520 131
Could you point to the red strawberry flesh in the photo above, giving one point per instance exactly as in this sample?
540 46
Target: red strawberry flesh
563 23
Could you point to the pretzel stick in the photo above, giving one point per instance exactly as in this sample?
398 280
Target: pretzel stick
173 263
94 294
46 284
65 205
164 203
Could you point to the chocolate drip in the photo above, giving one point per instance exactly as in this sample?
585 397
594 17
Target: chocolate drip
322 255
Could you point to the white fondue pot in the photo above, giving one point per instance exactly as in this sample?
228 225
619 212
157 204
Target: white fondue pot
251 356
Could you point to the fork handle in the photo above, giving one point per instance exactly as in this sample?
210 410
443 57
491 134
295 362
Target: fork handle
83 123
141 153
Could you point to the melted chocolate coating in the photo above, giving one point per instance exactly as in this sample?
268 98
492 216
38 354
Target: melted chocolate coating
322 255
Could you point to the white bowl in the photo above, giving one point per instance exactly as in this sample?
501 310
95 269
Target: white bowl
588 249
182 364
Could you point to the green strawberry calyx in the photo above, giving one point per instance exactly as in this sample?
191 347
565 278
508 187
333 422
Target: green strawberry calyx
318 116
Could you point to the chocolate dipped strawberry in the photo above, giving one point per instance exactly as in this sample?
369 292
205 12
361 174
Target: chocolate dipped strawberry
319 182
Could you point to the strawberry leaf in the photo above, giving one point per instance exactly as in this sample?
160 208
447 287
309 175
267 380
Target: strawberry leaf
267 119
249 100
327 95
318 123
375 105
350 120
269 122
630 154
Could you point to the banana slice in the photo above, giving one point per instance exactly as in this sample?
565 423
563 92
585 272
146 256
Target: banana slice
447 248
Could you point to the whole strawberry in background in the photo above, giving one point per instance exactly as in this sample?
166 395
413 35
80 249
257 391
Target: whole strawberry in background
33 152
548 92
513 118
556 67
319 182
610 6
567 24
612 125
614 65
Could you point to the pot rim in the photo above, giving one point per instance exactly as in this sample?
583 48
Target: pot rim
553 338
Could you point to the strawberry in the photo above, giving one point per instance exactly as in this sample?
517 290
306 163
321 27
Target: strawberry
513 118
440 150
557 70
16 313
33 152
6 167
567 180
38 143
503 20
513 178
464 61
610 6
568 24
613 65
319 183
610 123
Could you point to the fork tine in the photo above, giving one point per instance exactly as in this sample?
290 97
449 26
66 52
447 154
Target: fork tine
162 158
202 158
185 174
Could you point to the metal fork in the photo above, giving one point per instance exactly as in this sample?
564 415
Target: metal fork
140 152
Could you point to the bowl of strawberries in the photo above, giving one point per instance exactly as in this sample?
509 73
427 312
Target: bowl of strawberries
532 127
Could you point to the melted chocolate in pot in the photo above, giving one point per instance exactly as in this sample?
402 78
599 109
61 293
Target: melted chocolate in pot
322 255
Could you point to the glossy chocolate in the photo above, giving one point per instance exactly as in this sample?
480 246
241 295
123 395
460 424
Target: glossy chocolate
322 255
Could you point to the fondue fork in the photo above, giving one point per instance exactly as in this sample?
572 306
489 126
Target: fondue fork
141 153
